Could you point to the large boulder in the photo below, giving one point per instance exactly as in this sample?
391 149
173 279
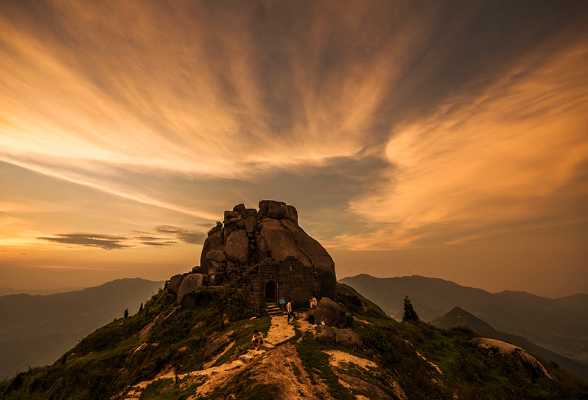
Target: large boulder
328 312
250 224
292 214
237 247
281 243
321 260
213 242
331 336
173 285
240 209
276 209
528 365
191 283
216 255
230 216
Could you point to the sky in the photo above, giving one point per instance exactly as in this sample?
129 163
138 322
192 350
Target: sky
447 139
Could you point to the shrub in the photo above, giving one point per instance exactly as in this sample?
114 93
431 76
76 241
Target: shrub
216 228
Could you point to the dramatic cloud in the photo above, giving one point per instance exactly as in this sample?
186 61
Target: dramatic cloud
184 235
106 242
111 242
390 125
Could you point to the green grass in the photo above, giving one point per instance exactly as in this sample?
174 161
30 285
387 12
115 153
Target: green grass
107 362
316 365
243 333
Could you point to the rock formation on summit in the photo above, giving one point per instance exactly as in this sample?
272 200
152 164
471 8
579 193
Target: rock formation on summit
263 254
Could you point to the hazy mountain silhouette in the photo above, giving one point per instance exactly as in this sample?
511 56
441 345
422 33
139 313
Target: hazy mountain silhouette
460 317
559 325
35 330
5 291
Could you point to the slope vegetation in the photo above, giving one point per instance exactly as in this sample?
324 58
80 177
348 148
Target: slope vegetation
461 318
35 330
559 325
204 352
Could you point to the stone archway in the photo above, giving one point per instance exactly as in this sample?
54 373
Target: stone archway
270 292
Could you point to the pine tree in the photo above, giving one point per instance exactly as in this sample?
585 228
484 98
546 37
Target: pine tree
126 313
141 307
409 312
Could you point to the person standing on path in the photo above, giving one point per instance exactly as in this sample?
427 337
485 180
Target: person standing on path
289 310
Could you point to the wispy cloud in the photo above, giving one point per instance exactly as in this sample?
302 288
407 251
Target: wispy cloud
13 252
388 124
163 235
511 156
183 235
106 242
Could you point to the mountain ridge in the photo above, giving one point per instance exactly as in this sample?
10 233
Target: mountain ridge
35 329
459 317
549 323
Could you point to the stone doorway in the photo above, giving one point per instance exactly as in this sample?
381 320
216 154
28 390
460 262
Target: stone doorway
270 292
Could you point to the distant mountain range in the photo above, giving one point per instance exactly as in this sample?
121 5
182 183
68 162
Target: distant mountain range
459 317
559 325
5 291
35 330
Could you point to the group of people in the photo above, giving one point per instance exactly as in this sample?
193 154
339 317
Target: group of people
258 336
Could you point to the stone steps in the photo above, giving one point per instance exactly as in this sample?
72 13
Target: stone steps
274 309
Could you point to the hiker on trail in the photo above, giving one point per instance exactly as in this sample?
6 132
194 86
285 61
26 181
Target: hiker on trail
257 337
313 302
289 310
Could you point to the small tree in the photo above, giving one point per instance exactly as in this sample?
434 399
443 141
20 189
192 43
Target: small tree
409 312
126 313
141 307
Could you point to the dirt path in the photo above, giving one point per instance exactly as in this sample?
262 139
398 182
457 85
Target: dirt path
280 330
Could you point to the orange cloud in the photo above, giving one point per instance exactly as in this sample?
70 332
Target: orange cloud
507 156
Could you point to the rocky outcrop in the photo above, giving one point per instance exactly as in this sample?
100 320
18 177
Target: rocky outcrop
271 235
191 283
163 320
526 363
212 242
173 285
328 312
237 247
217 345
331 336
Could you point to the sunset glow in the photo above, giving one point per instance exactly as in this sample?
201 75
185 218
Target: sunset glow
442 136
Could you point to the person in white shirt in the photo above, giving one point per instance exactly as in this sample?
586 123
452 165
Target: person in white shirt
289 310
257 337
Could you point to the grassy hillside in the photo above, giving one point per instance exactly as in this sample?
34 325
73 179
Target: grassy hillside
458 317
167 352
35 330
554 324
